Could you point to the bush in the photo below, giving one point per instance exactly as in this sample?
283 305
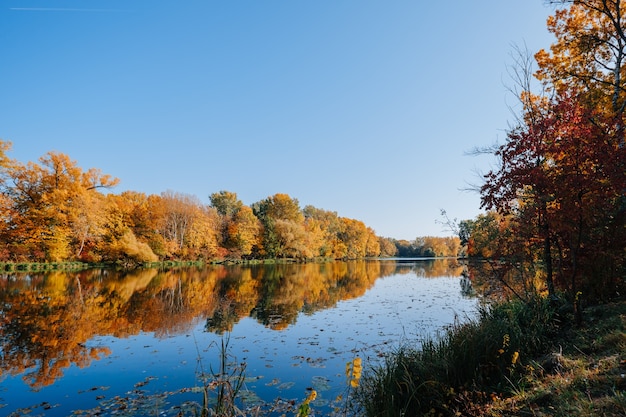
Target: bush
128 248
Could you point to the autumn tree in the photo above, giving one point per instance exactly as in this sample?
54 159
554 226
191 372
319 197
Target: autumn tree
588 60
329 227
120 243
244 231
372 247
485 236
283 225
189 228
55 206
387 247
239 227
88 224
202 242
561 179
589 54
587 172
356 235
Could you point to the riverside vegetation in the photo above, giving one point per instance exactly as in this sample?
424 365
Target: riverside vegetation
517 359
54 213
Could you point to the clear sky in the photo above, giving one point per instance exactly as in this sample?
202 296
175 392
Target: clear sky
363 107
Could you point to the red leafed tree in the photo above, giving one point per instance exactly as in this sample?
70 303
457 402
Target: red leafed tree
562 176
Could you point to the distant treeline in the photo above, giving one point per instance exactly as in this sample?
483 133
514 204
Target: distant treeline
54 211
429 246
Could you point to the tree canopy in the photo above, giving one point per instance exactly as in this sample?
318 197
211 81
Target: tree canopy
53 210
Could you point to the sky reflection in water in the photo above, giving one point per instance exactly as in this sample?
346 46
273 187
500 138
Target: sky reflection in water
414 301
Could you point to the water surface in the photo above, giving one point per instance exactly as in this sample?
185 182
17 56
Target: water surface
137 342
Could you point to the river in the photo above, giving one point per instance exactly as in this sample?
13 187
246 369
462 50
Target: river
147 342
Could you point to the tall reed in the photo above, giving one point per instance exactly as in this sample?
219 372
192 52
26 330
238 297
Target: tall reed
477 356
225 384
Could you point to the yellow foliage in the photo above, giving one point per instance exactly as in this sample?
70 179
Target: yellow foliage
128 246
588 54
353 372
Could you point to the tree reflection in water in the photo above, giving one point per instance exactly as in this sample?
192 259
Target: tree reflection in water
47 320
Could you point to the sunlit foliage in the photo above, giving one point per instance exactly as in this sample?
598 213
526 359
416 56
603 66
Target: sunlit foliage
558 193
52 210
429 247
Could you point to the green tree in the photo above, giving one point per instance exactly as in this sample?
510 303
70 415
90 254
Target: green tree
226 203
239 227
282 220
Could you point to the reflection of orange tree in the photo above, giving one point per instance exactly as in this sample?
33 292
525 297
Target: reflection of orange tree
276 294
282 293
44 333
289 289
440 267
355 278
237 295
173 299
46 321
44 326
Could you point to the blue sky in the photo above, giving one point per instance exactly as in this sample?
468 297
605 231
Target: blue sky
362 107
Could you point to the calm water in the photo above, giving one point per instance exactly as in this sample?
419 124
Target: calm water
124 343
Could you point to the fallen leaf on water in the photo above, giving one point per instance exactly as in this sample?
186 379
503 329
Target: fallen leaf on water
274 381
286 385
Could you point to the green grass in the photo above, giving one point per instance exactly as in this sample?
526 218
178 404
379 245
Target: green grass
42 266
516 359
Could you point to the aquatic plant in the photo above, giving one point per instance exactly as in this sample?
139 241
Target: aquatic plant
226 382
475 359
305 408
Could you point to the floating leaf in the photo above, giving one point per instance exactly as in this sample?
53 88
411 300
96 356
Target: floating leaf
286 385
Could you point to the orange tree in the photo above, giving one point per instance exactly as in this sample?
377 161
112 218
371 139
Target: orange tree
589 54
239 228
53 207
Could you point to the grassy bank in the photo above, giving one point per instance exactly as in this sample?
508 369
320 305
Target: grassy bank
514 360
42 266
74 266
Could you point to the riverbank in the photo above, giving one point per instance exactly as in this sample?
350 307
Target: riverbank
76 266
516 360
584 374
